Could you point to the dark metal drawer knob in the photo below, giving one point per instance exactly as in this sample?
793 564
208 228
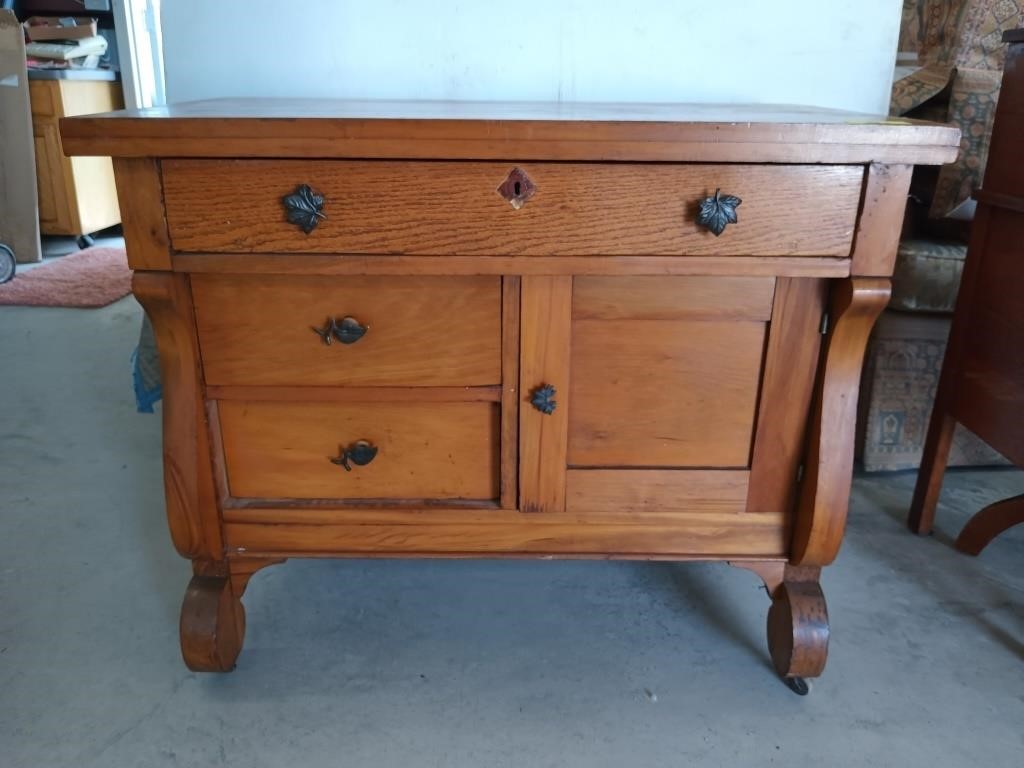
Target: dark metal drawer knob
360 453
717 211
348 330
543 399
304 207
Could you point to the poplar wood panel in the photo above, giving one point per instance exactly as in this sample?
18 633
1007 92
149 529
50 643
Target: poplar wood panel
527 535
593 493
423 331
546 314
453 208
672 298
663 393
425 451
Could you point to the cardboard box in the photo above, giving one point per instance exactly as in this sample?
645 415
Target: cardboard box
46 28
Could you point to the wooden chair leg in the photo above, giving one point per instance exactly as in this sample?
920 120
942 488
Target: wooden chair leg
989 523
933 467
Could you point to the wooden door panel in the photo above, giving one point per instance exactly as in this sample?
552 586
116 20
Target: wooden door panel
663 393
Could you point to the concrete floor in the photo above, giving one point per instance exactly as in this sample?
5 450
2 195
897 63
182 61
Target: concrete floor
459 663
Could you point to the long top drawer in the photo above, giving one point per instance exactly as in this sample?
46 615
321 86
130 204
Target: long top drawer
462 208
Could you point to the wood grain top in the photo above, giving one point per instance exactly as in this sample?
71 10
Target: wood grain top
502 130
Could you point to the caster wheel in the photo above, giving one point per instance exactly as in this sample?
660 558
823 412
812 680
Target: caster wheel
797 685
85 241
7 263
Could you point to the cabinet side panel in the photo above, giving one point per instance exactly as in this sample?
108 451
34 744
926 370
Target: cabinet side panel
791 362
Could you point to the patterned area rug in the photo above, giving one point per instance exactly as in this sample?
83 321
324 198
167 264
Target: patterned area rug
94 277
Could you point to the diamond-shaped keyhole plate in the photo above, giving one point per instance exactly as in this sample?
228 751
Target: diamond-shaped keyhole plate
517 188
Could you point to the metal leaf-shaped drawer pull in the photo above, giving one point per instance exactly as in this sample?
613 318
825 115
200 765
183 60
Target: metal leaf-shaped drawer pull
348 330
360 453
304 207
718 211
543 399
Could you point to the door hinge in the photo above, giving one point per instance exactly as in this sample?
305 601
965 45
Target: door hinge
825 320
800 473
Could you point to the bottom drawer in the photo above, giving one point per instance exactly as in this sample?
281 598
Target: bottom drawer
425 451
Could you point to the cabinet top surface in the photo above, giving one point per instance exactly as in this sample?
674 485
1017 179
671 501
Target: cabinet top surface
508 130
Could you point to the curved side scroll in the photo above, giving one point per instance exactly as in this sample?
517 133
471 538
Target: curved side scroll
188 484
825 491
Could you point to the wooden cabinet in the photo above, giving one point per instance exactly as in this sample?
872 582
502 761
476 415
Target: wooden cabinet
77 195
509 334
982 380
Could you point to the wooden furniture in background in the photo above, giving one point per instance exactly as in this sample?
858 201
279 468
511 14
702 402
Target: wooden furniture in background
77 195
982 381
534 352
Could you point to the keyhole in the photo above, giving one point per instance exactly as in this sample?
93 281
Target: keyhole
518 189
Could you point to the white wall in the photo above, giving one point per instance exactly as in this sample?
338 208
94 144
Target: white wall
836 53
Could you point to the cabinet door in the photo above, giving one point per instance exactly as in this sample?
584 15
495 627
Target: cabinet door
54 207
671 395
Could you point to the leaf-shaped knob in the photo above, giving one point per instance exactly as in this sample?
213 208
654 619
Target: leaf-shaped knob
304 207
360 453
717 211
543 399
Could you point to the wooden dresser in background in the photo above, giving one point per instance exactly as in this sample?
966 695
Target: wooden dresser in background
471 330
982 381
77 195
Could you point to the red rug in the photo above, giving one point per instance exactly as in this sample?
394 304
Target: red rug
94 277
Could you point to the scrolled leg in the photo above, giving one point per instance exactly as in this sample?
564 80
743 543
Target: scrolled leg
212 624
797 621
798 628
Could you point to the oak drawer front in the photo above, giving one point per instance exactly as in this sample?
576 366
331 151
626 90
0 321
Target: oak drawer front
661 374
423 450
419 331
443 208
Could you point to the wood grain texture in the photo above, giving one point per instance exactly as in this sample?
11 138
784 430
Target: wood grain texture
190 494
441 208
663 393
430 451
672 298
798 629
533 535
354 264
825 490
886 189
511 298
423 331
140 192
791 364
494 130
358 394
592 493
212 625
545 333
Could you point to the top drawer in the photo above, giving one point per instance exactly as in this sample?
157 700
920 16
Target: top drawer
455 208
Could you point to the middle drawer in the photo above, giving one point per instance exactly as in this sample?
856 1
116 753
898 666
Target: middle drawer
383 331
